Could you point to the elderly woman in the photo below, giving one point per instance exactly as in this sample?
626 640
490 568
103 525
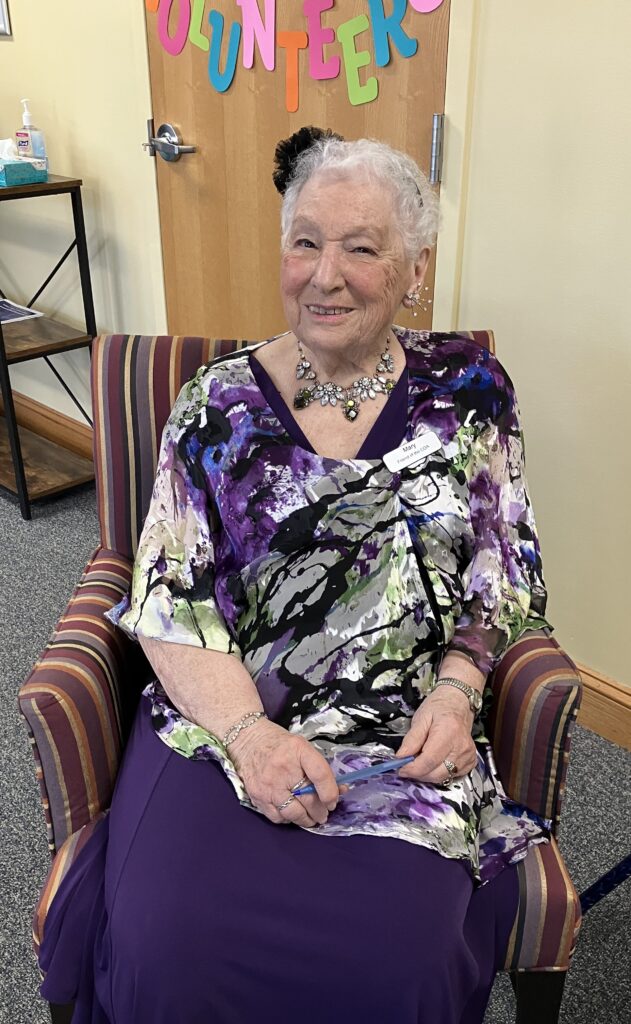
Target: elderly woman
340 546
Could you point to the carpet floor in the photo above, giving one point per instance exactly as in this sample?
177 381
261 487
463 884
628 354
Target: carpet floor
40 562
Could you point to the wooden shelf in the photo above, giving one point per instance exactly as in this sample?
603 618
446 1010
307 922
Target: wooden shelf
43 467
49 468
55 185
41 336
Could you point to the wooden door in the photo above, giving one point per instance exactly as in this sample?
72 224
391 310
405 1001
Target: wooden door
219 211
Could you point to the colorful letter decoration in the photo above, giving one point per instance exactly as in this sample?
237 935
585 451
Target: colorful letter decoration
174 44
386 27
259 30
195 33
222 80
318 36
253 28
356 59
424 6
292 42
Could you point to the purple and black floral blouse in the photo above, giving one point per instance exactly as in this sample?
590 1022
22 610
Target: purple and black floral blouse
340 584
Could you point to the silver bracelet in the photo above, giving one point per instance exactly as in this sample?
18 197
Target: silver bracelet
243 723
473 696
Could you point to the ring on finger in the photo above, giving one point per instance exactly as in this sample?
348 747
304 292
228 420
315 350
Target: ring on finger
303 782
285 803
451 768
453 771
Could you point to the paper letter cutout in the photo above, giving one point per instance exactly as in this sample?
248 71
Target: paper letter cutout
253 28
425 6
175 44
384 26
222 80
318 36
152 5
195 33
354 60
292 42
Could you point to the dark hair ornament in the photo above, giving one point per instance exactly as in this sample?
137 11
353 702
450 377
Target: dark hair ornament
288 150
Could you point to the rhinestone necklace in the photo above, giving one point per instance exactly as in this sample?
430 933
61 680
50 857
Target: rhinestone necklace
351 397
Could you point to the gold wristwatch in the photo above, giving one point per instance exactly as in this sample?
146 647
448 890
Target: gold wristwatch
475 697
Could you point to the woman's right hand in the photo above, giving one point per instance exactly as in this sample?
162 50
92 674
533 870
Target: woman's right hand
271 762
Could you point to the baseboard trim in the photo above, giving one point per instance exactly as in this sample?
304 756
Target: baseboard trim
606 707
54 426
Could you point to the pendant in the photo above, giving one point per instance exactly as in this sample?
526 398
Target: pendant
350 409
386 363
328 393
303 398
303 369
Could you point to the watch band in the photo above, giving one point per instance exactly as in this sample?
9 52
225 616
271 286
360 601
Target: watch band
474 696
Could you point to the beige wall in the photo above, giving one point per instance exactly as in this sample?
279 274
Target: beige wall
538 214
84 68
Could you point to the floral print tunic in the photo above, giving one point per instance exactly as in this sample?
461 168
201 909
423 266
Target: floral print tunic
340 583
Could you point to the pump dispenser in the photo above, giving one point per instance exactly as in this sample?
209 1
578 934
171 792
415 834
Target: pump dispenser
30 140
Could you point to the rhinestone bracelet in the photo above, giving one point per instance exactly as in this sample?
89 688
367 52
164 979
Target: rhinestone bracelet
243 723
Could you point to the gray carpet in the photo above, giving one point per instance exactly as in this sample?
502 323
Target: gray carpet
40 562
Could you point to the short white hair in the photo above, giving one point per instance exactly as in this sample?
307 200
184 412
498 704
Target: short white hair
414 200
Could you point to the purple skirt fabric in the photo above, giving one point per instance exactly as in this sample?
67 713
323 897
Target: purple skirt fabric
186 908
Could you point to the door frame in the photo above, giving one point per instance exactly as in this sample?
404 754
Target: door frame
460 92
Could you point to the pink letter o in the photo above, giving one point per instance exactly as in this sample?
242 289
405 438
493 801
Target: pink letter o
174 44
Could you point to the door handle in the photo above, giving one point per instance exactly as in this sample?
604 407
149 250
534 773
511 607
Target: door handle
167 142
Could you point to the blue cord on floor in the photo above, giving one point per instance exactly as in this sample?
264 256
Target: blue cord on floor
606 884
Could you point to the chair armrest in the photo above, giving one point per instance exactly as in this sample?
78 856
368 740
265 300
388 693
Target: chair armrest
74 701
537 693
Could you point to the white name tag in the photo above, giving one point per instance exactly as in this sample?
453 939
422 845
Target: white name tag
411 452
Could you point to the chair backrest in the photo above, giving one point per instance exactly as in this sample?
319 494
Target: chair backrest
135 381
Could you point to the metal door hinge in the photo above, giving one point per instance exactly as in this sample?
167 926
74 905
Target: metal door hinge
436 159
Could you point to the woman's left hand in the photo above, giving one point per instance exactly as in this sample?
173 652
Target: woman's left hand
440 731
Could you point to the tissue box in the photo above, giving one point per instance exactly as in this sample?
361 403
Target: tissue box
22 172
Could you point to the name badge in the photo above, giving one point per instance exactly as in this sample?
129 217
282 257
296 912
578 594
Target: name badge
412 452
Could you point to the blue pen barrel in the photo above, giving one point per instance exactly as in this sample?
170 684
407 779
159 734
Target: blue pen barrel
361 773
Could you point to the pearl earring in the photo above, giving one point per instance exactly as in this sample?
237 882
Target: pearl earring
415 299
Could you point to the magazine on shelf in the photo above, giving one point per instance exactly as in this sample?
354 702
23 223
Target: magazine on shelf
10 312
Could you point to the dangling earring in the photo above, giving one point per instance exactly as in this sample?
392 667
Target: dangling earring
416 299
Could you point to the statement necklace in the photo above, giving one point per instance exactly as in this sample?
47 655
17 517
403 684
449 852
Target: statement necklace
351 397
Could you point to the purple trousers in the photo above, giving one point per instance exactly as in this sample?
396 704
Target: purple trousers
186 908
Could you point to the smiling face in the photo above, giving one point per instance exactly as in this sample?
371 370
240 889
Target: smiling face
343 269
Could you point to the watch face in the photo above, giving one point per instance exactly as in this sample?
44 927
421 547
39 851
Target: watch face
477 700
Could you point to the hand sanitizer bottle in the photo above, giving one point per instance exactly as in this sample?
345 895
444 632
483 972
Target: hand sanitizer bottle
30 140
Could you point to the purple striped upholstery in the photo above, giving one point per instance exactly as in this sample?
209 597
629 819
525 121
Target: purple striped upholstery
537 692
549 916
79 698
73 701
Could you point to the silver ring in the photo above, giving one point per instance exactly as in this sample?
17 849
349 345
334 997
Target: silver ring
304 780
285 803
451 768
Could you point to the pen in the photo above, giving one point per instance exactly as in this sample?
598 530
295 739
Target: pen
361 773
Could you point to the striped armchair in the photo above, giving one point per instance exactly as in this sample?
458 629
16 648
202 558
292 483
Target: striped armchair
80 698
